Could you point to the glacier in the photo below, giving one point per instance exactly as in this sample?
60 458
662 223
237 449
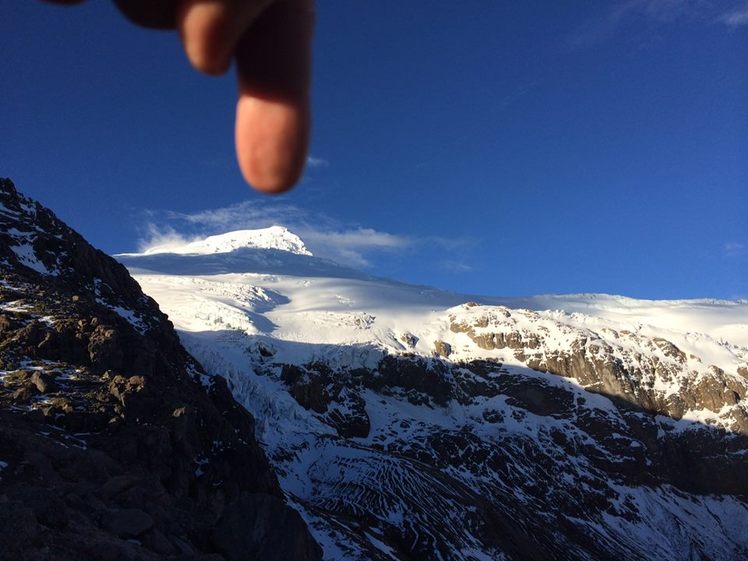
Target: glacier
407 422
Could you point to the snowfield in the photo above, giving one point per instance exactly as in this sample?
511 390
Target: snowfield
399 469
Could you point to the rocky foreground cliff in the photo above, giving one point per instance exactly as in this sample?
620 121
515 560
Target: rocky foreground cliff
114 443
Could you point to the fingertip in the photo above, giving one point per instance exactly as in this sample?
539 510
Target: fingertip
271 142
270 185
202 26
272 122
207 64
269 181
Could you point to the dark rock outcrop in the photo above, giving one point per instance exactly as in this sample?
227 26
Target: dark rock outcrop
547 465
114 444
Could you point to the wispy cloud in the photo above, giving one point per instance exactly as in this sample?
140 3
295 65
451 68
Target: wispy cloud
313 162
453 266
325 236
352 246
162 236
732 13
736 17
668 10
735 249
243 215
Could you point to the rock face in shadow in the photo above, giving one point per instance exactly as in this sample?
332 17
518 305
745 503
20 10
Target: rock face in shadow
533 468
114 443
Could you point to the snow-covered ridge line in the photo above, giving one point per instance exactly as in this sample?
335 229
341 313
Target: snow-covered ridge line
274 237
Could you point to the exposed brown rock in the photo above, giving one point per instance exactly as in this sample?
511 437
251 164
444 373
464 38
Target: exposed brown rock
442 349
591 360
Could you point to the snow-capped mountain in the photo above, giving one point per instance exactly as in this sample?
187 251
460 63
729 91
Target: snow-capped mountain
406 422
274 237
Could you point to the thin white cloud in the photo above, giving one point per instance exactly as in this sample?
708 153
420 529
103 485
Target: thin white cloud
735 18
313 162
620 14
160 236
351 246
449 244
455 266
735 249
669 10
239 216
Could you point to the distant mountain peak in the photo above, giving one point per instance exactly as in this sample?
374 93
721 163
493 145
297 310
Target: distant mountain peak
275 237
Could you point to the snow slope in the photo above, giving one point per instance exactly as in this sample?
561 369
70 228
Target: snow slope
316 301
305 344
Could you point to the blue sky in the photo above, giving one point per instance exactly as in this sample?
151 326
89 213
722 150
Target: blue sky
489 147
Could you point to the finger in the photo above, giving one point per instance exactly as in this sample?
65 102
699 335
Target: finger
210 30
156 14
272 118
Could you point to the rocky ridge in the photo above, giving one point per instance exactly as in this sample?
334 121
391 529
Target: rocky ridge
648 372
115 445
574 471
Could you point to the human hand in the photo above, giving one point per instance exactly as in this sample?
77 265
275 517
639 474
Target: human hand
270 41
